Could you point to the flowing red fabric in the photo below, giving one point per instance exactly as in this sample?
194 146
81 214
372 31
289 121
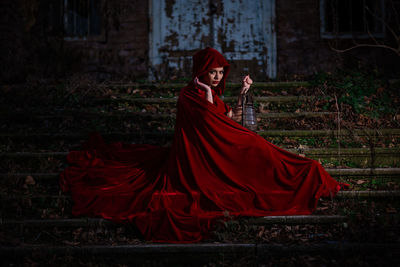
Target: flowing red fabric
213 167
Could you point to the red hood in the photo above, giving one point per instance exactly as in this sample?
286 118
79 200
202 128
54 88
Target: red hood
209 58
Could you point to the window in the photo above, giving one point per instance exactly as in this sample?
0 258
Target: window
352 18
81 18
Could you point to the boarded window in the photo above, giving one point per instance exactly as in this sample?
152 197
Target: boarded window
82 18
352 18
243 32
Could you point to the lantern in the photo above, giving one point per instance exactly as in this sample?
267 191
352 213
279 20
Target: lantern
245 114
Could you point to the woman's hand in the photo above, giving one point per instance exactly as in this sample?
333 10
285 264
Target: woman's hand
205 88
246 83
202 86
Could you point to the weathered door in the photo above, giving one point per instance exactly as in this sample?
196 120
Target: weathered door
242 30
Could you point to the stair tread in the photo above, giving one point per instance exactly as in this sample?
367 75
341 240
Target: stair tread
276 132
307 150
329 170
200 247
265 219
74 113
344 194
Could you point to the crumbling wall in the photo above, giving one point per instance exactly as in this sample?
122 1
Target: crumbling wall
122 50
302 51
12 29
33 45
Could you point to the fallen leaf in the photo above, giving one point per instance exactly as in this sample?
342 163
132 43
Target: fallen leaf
29 180
260 233
274 234
71 243
391 210
267 92
303 146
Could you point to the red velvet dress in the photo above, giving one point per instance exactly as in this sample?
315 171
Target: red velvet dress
213 166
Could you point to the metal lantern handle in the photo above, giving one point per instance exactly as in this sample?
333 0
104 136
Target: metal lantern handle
244 98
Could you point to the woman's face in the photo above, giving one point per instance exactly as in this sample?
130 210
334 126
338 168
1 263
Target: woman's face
214 76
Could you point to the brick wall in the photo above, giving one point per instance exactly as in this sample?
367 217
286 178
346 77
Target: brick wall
32 45
28 48
123 52
12 40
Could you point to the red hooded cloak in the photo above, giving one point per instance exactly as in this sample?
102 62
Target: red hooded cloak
213 167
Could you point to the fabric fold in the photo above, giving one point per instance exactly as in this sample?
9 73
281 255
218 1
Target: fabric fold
214 165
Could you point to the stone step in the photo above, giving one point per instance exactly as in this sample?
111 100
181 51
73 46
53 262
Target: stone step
206 251
361 157
262 104
29 183
329 158
350 172
169 89
309 152
28 205
273 86
82 222
145 124
340 194
38 115
267 133
228 99
149 120
140 110
52 205
68 140
229 85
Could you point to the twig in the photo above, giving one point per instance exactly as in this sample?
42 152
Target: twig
384 22
366 45
376 44
338 132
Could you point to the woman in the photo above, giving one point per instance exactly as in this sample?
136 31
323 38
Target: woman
213 167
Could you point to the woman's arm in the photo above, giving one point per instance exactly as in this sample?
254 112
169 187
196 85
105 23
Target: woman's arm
205 88
246 83
236 112
230 114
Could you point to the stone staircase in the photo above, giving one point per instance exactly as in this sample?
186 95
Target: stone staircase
36 222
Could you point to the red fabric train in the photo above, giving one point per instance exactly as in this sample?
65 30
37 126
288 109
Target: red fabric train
214 165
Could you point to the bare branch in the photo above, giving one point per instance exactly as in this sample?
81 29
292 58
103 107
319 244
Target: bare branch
396 15
372 37
383 21
376 43
366 45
